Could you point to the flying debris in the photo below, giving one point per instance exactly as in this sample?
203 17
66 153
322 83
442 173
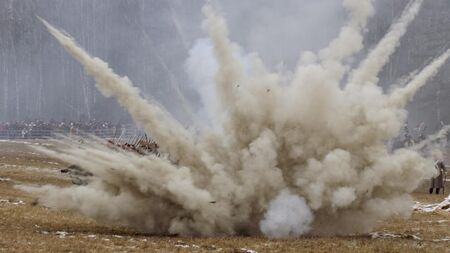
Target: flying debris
78 175
141 145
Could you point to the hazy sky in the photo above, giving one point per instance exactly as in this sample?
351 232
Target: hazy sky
149 42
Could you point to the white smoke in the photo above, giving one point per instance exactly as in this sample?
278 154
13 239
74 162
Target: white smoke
201 67
379 56
293 155
288 215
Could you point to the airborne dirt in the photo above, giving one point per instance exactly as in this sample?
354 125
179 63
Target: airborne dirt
319 139
26 227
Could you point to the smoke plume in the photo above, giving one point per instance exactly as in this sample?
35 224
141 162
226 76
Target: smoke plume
288 215
306 155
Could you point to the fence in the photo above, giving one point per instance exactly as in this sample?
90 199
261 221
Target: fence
124 133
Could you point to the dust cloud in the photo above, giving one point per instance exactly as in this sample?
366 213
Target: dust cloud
304 153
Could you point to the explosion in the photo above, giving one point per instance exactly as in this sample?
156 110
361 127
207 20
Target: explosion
305 154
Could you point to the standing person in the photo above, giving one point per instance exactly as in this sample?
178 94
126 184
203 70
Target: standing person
438 182
71 129
24 133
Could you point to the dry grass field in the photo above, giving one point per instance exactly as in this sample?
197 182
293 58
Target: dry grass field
26 227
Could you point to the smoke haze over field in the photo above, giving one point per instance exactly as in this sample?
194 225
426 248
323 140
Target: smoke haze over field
293 152
155 35
38 80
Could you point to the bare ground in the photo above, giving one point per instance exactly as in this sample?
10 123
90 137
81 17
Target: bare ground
26 227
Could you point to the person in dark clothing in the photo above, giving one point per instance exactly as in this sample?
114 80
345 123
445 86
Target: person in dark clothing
439 181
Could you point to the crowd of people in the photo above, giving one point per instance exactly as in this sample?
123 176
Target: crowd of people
43 128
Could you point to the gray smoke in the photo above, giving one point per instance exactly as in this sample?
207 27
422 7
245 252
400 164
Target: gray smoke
295 154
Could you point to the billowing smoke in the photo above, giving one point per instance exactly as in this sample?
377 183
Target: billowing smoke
296 155
201 67
288 215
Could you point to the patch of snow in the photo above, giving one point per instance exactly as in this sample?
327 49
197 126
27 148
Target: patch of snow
444 205
245 250
13 202
181 244
61 234
385 235
447 239
5 179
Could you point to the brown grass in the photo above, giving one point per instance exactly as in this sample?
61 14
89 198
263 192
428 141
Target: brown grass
30 228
